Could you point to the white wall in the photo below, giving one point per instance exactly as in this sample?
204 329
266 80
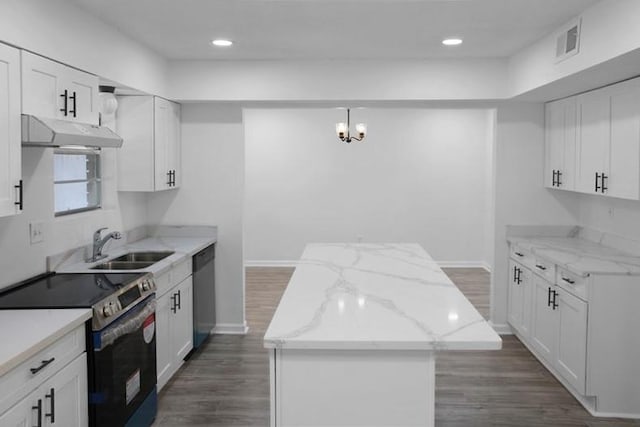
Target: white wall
611 215
62 31
19 259
609 29
470 79
520 197
420 177
212 194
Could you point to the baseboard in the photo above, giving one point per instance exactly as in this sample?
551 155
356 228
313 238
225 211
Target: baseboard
270 263
501 328
464 264
230 329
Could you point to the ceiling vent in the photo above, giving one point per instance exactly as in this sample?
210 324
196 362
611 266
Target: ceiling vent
568 40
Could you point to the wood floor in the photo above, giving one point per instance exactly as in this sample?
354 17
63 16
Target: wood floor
226 383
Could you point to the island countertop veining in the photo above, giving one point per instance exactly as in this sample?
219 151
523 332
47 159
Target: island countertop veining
375 296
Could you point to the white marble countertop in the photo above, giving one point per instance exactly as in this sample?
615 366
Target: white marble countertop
23 333
181 246
375 296
580 256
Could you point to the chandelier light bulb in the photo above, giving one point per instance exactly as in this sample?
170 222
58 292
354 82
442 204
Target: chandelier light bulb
341 129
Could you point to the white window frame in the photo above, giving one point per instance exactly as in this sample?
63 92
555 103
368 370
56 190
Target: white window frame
97 179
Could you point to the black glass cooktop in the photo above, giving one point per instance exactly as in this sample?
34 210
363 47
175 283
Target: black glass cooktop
66 290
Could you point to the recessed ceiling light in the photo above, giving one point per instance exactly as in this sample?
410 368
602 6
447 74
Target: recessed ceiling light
221 42
452 42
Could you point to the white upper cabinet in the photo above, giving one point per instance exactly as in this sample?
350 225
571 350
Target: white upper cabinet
10 131
149 159
593 134
624 157
592 142
54 90
560 144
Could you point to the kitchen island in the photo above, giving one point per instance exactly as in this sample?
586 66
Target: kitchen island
354 338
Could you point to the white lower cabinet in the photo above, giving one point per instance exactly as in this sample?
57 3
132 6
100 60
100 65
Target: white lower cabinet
559 331
20 415
174 314
544 321
571 354
583 329
59 401
519 310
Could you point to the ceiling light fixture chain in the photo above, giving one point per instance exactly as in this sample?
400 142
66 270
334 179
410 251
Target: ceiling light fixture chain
344 133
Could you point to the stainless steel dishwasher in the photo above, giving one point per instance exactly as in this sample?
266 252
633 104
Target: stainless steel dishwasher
204 297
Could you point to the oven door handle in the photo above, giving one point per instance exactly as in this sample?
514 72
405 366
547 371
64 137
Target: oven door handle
125 326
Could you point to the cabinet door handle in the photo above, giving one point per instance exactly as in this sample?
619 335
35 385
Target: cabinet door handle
169 178
515 274
569 281
179 301
73 98
553 179
541 267
597 183
174 177
65 110
555 304
558 182
549 298
174 306
604 184
52 414
519 254
19 203
38 408
42 365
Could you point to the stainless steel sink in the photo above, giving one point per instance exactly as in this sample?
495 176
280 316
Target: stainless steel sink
122 265
143 256
133 261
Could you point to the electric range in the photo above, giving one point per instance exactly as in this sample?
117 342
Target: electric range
121 340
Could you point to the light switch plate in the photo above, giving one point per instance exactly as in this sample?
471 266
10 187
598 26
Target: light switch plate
36 233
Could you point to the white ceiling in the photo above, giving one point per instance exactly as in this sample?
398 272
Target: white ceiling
335 29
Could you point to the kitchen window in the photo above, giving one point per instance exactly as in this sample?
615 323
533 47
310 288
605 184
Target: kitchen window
77 180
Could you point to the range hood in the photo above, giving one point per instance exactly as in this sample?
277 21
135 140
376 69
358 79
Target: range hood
44 132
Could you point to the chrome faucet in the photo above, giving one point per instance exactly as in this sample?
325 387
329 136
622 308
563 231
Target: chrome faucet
99 242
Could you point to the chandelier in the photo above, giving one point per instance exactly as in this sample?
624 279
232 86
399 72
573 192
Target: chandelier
344 134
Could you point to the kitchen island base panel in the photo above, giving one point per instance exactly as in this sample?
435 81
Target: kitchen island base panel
352 388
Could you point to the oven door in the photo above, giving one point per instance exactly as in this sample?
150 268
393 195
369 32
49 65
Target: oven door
124 368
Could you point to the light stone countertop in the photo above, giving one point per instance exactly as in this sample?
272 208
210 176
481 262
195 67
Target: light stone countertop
375 297
580 256
23 333
181 246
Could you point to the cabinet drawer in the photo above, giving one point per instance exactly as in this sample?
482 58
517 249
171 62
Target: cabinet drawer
163 283
20 381
572 283
181 271
522 256
177 274
545 269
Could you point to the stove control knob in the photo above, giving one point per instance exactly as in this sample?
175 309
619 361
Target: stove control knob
146 285
109 309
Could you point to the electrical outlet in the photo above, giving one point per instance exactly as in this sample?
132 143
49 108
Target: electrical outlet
36 234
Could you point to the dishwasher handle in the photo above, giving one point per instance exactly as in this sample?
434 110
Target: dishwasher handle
204 257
